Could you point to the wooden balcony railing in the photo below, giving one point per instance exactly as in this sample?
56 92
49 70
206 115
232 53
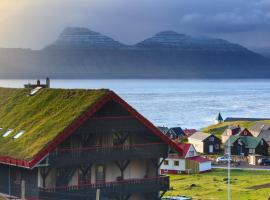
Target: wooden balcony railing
103 154
124 187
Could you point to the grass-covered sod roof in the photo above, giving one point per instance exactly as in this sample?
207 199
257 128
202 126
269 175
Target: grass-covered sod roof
42 117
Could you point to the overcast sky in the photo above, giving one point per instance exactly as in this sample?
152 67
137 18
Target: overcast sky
36 23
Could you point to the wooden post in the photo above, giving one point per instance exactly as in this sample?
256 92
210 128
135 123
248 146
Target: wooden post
98 194
23 190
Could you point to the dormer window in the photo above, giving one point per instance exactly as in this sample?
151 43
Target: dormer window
7 132
19 134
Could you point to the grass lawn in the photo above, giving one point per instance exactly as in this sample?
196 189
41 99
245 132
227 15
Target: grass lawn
213 185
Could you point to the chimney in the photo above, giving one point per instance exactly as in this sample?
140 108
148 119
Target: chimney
38 83
48 82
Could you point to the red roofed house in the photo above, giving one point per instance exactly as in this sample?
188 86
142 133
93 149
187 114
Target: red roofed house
67 144
189 132
185 161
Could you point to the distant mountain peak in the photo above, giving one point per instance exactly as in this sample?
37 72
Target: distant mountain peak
83 37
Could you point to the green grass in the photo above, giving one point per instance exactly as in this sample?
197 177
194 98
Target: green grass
218 129
42 116
213 185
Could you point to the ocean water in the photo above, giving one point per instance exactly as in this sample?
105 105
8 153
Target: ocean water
185 103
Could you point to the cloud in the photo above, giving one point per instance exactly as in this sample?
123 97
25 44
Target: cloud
247 17
36 23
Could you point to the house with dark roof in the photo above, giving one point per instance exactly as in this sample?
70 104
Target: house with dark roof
186 161
246 145
175 133
163 129
239 119
67 144
205 142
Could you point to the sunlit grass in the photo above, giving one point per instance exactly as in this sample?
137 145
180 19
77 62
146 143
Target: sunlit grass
213 185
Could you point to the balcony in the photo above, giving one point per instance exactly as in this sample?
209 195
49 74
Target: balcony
103 154
107 189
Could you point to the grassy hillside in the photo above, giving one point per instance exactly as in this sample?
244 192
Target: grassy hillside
218 129
246 185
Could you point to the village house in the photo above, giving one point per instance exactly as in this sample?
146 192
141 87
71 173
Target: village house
175 133
163 129
189 132
205 143
68 144
246 145
186 161
261 130
234 130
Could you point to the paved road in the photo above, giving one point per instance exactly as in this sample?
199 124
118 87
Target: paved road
255 168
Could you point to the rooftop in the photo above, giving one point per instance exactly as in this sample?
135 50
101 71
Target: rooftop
42 117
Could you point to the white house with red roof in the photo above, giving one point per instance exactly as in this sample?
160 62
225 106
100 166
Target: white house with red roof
186 161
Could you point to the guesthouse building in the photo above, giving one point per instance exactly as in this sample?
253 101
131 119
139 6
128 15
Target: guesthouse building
69 144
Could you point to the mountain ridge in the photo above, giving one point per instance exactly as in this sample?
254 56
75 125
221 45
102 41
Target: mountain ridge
82 53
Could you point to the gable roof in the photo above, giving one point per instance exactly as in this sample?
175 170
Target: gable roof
199 159
48 118
189 132
234 129
184 147
177 131
200 136
249 141
163 129
257 127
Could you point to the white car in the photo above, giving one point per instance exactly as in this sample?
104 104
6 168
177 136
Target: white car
223 159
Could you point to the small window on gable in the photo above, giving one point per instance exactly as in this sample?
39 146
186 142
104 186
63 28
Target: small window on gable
19 134
7 132
211 139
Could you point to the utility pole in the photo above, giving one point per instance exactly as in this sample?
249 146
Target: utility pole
23 190
229 168
9 189
98 194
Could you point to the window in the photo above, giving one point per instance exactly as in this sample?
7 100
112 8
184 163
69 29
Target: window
211 139
252 151
16 177
191 153
166 162
19 134
176 163
100 173
217 146
85 178
261 142
7 132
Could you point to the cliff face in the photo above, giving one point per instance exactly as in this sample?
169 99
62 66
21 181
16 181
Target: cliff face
82 53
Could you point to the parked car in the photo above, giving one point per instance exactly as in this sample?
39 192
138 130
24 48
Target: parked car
176 198
264 161
223 159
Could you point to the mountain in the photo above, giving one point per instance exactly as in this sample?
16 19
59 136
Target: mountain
83 38
82 53
265 51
